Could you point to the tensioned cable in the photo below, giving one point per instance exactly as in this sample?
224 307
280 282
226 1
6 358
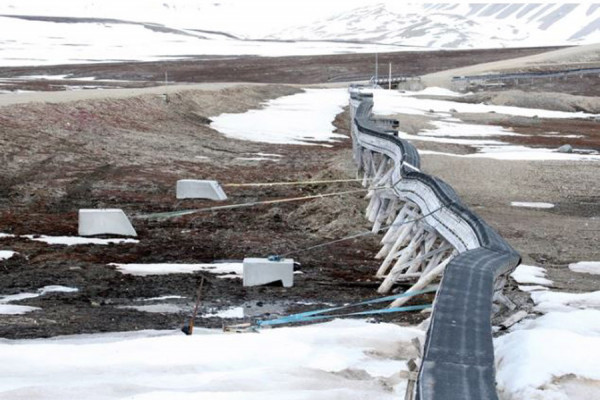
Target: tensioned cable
173 214
366 233
291 183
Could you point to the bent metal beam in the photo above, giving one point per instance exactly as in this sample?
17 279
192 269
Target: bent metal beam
431 233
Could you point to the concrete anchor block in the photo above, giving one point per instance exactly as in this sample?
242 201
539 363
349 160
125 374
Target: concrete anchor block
197 189
260 271
104 221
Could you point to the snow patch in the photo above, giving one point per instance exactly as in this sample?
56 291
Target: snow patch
304 118
6 254
40 292
76 240
9 309
438 91
233 270
587 267
159 298
513 153
530 274
560 301
454 128
531 288
529 361
448 129
555 356
163 308
531 204
232 312
349 359
389 102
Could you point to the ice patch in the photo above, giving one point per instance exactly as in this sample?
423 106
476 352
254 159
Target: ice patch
6 254
233 270
6 235
530 274
587 267
303 118
531 204
77 240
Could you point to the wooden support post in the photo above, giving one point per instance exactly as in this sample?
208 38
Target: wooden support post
413 376
424 280
405 231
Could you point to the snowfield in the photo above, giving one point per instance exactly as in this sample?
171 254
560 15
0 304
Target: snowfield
303 118
342 359
37 32
451 130
555 356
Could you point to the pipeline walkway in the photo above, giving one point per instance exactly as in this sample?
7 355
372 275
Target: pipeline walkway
453 243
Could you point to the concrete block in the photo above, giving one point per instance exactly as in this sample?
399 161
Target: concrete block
104 222
196 189
260 271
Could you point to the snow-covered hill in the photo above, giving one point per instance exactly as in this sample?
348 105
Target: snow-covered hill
79 31
458 25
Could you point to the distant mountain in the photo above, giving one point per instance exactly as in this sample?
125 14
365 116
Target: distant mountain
459 25
41 32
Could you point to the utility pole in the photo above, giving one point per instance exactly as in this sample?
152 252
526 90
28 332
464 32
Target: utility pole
166 78
390 78
376 69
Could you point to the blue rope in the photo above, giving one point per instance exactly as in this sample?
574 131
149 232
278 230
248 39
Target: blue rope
310 315
286 320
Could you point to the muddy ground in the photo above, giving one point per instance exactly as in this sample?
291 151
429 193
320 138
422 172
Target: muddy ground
129 152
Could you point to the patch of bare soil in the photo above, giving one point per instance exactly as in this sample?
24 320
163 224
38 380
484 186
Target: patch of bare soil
542 132
540 100
128 153
301 70
579 85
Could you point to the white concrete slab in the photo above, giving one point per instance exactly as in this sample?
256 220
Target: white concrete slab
199 189
260 271
104 222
